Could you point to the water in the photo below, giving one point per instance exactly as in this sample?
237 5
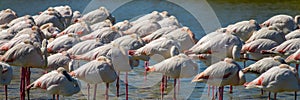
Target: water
226 11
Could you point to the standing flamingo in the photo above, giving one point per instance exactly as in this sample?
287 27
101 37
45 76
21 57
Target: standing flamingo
271 33
264 64
57 82
63 43
159 33
255 47
243 29
285 23
59 60
277 79
284 49
7 15
99 25
85 46
180 66
220 74
294 58
95 72
6 75
28 56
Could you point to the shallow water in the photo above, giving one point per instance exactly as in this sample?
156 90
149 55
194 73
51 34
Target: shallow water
226 11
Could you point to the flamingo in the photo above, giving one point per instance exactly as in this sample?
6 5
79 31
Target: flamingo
123 26
7 15
85 46
26 23
76 16
222 73
97 71
19 19
271 33
99 25
179 66
158 33
264 64
143 28
106 35
243 29
63 43
80 28
282 78
57 82
95 16
50 16
184 36
28 56
284 49
285 23
255 47
49 30
155 16
59 60
294 58
66 14
169 21
292 35
6 76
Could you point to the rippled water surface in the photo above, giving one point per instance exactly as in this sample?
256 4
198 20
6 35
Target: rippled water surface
227 12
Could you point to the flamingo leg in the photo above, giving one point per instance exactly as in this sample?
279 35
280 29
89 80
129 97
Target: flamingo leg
28 81
95 92
275 94
178 86
208 90
53 97
5 89
106 92
146 65
118 84
126 85
88 87
244 62
174 96
213 92
230 89
261 91
295 95
22 85
57 97
166 82
162 87
221 89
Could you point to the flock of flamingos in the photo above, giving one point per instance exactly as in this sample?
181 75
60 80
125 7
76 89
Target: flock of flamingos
56 38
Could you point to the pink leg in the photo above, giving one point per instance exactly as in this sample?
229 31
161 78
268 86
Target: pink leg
166 82
22 85
5 89
28 81
208 90
213 92
95 92
106 92
269 96
162 87
57 97
118 84
126 85
174 96
230 89
221 93
88 87
178 85
146 64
